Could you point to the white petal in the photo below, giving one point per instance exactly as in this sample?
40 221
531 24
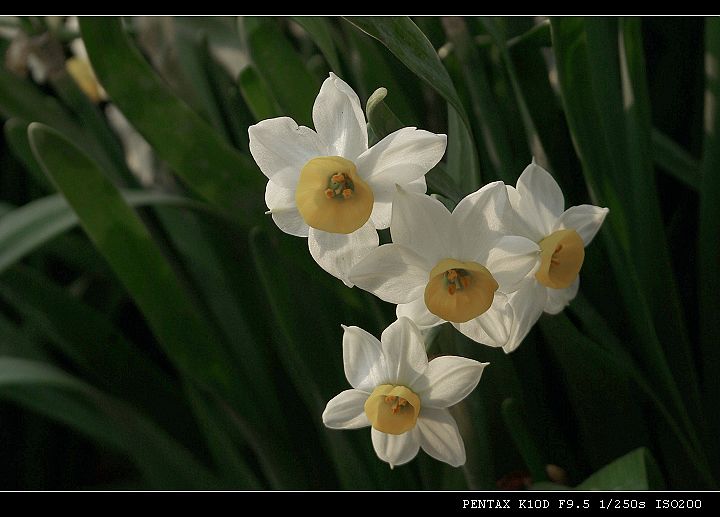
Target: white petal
281 149
339 119
382 208
346 411
395 449
281 202
493 327
558 299
541 198
584 219
393 273
424 225
530 229
448 380
528 303
511 260
417 311
401 157
404 352
439 436
480 218
337 253
363 360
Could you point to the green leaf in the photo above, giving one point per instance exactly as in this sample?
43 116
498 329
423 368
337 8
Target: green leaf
93 344
27 228
673 159
610 141
204 161
636 470
256 94
320 31
120 236
280 66
55 394
17 140
708 244
404 39
524 441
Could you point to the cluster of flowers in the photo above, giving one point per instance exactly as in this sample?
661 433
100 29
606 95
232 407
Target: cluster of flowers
490 267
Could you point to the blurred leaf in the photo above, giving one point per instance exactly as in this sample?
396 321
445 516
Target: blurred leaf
709 230
604 156
672 158
484 104
538 36
319 29
120 236
403 38
17 140
54 393
281 68
27 228
109 151
94 345
524 441
256 95
208 165
634 471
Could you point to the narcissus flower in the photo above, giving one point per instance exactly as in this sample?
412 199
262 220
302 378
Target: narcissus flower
539 214
402 395
327 185
455 267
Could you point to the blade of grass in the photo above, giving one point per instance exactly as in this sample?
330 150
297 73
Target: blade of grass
320 30
673 159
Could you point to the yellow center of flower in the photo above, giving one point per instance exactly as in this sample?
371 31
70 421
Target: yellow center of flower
392 409
459 291
330 195
561 257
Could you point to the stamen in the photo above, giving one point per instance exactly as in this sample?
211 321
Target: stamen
347 193
452 288
329 193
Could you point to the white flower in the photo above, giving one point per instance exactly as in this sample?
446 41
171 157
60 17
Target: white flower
402 395
540 215
328 186
455 267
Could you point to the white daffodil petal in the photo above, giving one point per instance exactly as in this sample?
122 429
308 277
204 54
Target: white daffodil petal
481 219
448 380
346 411
558 299
337 253
511 260
382 208
584 219
439 436
417 311
339 119
281 202
281 148
492 328
528 304
530 229
393 273
424 225
542 200
363 360
395 449
401 157
404 351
